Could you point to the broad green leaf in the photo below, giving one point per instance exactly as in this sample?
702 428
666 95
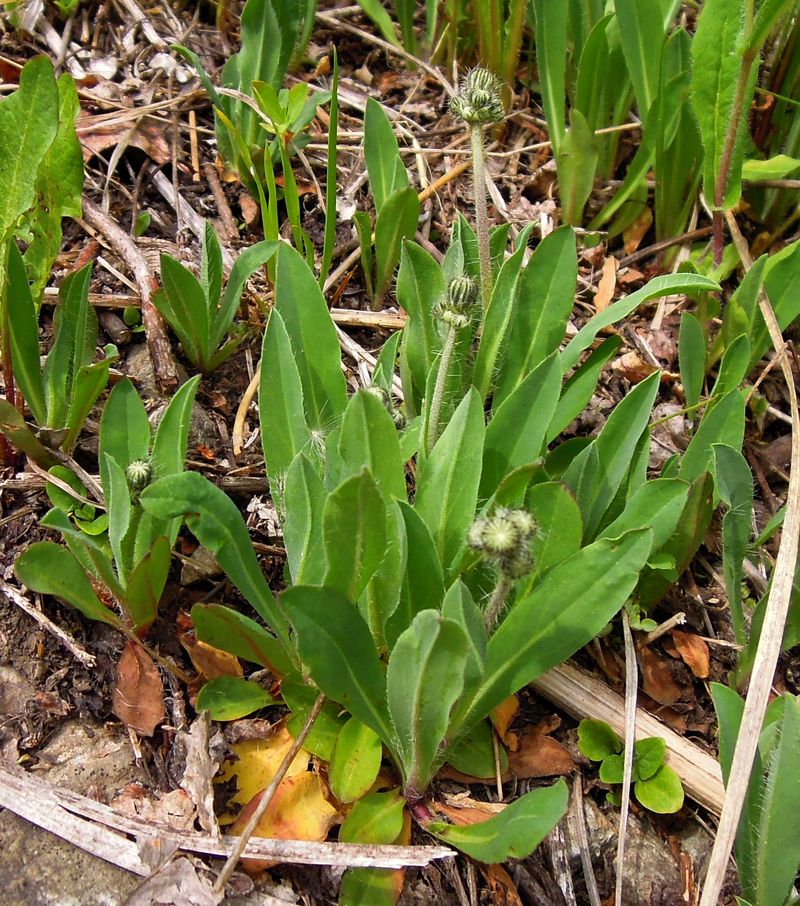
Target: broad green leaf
659 286
382 20
574 601
354 528
460 607
231 697
225 628
657 505
375 818
742 309
118 501
692 357
576 161
474 754
336 646
396 221
733 368
722 423
300 699
182 302
662 793
252 258
385 168
581 386
215 521
53 570
551 52
383 374
782 285
172 433
124 429
516 434
559 525
89 383
641 31
368 440
648 757
424 678
734 486
596 739
308 323
355 762
23 333
515 832
447 483
381 598
146 583
304 499
284 432
769 12
211 267
717 68
28 125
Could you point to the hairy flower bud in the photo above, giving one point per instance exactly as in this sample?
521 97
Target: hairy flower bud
479 99
455 310
504 540
138 474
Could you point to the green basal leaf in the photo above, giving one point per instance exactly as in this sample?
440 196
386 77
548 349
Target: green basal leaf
722 423
424 679
355 762
124 429
648 757
336 647
238 634
662 793
182 302
248 262
692 356
474 755
375 818
53 570
512 834
596 739
559 525
118 501
304 500
612 770
657 505
325 729
576 161
385 168
396 221
146 583
230 697
172 433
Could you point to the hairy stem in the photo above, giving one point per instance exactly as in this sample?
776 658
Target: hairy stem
434 415
497 602
481 212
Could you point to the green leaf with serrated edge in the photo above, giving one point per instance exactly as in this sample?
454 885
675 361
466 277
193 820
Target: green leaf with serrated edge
225 628
28 125
211 267
12 426
474 755
118 501
23 333
559 527
733 367
284 432
94 555
778 834
581 386
459 606
368 440
734 486
516 434
354 528
385 169
182 303
325 730
596 739
304 498
662 793
420 284
396 221
447 483
53 570
89 383
648 757
615 446
381 598
664 285
355 762
375 818
574 601
308 323
658 505
231 697
423 582
692 357
146 583
515 832
424 678
684 543
499 315
248 262
336 646
216 522
722 423
717 66
576 163
124 429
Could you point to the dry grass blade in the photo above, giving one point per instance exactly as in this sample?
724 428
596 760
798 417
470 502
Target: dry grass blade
631 679
769 645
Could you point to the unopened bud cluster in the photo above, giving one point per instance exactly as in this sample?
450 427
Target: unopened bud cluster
479 99
388 404
456 309
138 474
504 539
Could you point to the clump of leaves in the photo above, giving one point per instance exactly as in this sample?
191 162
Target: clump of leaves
657 787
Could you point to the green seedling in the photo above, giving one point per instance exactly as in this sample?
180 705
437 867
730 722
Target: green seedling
197 311
657 787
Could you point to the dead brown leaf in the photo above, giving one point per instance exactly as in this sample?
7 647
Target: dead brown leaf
634 234
693 651
607 284
97 135
174 809
502 890
138 699
502 717
203 754
633 367
539 755
657 679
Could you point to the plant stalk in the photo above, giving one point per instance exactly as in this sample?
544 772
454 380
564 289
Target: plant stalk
497 602
438 391
481 212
